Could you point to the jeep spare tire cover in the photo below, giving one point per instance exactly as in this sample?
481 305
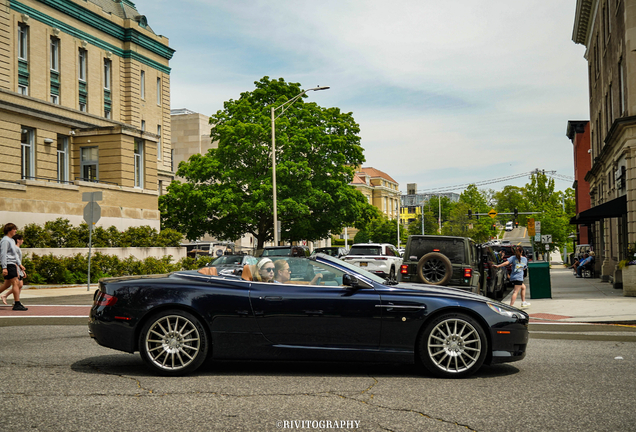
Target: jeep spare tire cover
434 268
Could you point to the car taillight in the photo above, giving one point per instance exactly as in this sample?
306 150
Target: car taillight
435 250
104 299
404 269
468 273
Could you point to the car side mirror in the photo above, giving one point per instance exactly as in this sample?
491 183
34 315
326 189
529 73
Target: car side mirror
354 282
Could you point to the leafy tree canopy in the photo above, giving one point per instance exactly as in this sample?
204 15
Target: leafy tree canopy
228 192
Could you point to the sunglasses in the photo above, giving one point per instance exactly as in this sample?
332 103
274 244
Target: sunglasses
269 269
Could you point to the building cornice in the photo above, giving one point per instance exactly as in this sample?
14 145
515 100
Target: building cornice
582 21
102 24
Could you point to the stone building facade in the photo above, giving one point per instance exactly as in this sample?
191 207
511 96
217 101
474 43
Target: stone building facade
607 28
84 107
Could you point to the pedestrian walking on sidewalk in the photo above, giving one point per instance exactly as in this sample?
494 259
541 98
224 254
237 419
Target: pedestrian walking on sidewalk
519 263
9 254
21 270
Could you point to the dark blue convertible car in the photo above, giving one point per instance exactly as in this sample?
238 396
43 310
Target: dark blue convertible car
342 313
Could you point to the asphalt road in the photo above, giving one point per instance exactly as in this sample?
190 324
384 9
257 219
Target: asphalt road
55 378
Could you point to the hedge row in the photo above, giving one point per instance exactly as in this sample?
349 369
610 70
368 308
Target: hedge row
61 234
49 269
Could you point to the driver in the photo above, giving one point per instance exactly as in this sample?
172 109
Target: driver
282 271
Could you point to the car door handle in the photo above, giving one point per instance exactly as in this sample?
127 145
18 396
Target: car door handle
273 298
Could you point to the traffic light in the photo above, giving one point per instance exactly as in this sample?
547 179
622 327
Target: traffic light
494 227
516 224
516 213
470 214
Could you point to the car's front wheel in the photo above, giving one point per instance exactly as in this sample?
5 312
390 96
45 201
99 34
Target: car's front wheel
453 345
173 342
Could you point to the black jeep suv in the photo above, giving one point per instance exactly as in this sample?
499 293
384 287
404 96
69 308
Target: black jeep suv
442 260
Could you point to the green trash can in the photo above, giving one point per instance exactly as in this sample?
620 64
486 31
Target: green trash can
540 285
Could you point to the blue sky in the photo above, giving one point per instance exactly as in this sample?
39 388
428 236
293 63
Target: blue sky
445 93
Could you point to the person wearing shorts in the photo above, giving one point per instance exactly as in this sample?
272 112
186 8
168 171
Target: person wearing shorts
21 270
9 254
519 263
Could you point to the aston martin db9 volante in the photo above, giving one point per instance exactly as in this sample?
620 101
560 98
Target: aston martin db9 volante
336 312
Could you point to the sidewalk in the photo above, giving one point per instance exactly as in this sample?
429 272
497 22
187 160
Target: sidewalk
579 300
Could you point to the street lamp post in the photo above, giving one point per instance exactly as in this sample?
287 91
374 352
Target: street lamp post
283 107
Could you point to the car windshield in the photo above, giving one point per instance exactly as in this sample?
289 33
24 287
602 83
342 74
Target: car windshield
365 250
277 252
228 259
328 251
452 248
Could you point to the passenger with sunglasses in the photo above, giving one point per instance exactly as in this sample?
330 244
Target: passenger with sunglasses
265 272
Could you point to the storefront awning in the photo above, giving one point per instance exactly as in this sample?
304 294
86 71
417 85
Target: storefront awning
611 209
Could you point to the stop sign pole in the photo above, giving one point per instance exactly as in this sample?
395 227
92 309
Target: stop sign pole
92 214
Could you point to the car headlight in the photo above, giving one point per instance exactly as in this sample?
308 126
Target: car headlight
506 312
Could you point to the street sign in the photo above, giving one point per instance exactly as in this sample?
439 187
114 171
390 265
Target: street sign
546 238
531 230
91 196
537 237
492 213
537 226
92 213
547 247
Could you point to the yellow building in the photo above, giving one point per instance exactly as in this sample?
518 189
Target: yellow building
84 107
381 190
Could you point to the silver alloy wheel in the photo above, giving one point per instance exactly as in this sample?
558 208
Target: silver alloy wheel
434 270
454 345
172 342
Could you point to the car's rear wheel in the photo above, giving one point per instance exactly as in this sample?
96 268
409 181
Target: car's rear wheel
434 268
173 342
392 273
453 346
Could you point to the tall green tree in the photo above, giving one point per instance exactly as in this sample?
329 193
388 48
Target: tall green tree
381 230
228 192
430 224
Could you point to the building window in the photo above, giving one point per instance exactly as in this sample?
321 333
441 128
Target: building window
172 160
83 92
143 84
107 83
23 64
55 54
82 65
159 142
55 99
158 91
89 163
139 163
143 125
107 73
62 158
23 41
28 156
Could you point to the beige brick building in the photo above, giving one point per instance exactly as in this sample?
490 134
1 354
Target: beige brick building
607 28
380 189
84 107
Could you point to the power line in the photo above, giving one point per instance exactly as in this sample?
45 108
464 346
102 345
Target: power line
552 174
